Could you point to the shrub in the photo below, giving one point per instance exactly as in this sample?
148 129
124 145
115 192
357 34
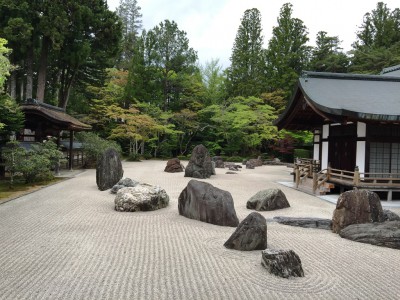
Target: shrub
34 164
93 146
302 153
133 157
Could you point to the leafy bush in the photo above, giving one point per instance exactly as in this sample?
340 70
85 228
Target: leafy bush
133 157
93 146
302 153
34 164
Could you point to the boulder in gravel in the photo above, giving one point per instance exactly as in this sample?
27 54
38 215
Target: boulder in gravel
305 222
269 199
108 169
385 234
142 197
282 263
200 164
174 166
251 234
203 202
356 207
219 162
388 215
250 165
125 182
257 162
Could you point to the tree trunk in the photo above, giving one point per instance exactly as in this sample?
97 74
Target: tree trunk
67 79
41 81
29 74
13 85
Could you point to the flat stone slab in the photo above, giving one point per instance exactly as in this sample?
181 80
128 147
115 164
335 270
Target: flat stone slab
385 234
305 222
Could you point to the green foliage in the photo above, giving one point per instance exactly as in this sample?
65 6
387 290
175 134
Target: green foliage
246 75
287 52
241 125
11 117
378 41
302 153
133 157
327 55
5 65
34 164
214 82
93 146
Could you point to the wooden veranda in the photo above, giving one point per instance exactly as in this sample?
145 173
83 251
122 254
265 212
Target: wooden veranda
309 177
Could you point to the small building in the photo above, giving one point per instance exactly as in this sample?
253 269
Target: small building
355 119
43 120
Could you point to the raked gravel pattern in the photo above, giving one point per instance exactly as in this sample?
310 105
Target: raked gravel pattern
66 241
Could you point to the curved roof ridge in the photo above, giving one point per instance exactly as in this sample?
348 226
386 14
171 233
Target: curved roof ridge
349 76
390 69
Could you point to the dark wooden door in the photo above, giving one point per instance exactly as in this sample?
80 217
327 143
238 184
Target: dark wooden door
342 153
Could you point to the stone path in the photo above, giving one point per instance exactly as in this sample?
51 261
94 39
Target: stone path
66 241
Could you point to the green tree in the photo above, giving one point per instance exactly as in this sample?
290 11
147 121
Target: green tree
246 75
378 41
327 56
11 117
214 82
168 56
129 13
241 125
5 65
287 52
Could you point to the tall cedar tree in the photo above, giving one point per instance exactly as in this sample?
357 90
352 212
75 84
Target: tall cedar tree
129 13
378 41
327 56
74 41
246 74
287 52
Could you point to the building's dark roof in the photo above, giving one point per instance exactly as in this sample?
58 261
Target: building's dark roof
54 114
336 97
391 71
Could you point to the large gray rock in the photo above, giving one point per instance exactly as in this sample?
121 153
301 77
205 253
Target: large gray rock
251 234
305 222
174 166
125 182
269 199
257 162
142 197
108 169
200 165
385 234
282 263
204 202
356 207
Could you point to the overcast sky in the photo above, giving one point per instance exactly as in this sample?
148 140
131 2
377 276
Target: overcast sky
211 25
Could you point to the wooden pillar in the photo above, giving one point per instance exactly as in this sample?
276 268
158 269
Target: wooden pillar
71 143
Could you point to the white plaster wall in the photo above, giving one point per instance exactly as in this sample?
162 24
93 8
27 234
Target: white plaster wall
361 129
325 131
324 158
316 152
360 158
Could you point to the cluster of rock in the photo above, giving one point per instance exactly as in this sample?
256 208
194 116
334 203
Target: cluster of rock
359 217
203 202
